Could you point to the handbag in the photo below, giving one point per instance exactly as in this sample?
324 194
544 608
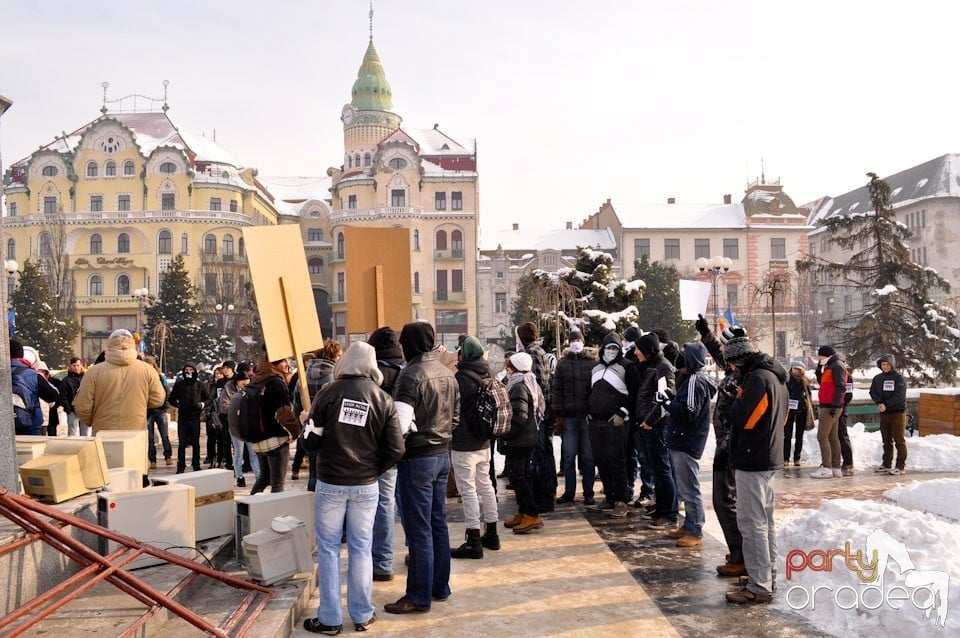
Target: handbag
809 424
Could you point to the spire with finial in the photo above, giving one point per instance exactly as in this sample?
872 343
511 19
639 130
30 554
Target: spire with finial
371 91
763 176
371 20
103 109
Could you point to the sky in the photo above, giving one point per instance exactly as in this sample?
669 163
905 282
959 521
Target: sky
571 103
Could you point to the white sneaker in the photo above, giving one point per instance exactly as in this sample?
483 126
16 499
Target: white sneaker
837 472
823 472
896 472
881 469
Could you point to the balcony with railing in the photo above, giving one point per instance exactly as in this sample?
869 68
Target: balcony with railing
383 212
106 217
444 296
455 253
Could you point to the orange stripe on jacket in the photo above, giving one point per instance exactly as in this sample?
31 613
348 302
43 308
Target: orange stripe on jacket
757 413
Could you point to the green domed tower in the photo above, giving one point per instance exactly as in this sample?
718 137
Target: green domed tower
367 119
371 91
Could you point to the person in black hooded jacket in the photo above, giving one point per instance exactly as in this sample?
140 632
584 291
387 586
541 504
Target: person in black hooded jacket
657 374
756 453
889 391
389 361
609 417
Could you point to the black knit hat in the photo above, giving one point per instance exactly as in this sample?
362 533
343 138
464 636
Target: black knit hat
738 349
16 349
826 351
631 334
648 344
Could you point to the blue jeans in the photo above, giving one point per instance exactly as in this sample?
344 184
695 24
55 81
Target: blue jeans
575 442
655 447
76 427
422 492
687 470
385 522
357 505
154 417
238 458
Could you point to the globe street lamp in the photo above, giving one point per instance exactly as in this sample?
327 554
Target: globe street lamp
715 268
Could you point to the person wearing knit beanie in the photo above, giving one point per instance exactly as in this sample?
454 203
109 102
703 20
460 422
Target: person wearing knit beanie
738 349
826 351
471 349
648 344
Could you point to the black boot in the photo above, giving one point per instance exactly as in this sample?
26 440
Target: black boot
490 539
473 548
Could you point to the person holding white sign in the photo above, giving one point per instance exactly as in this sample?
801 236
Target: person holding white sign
889 391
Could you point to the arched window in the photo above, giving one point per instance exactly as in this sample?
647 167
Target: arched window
123 243
366 159
91 169
315 266
228 246
185 244
441 239
11 249
397 163
49 171
96 244
165 242
339 245
416 283
123 286
128 168
168 167
456 243
356 160
95 286
45 247
210 244
416 239
110 169
241 248
349 161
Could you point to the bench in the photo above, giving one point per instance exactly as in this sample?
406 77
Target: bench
869 415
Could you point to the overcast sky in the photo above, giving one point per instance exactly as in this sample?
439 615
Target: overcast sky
571 102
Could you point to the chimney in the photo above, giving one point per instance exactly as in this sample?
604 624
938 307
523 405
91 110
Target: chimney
516 226
569 225
728 199
671 200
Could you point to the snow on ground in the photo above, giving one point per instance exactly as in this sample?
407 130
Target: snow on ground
929 496
905 581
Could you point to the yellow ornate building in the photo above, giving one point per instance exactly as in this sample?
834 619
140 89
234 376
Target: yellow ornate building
103 211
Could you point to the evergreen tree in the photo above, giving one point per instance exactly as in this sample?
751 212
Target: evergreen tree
523 309
37 322
189 339
599 303
660 305
900 314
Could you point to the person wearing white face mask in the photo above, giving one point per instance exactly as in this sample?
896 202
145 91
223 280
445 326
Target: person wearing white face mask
609 424
571 388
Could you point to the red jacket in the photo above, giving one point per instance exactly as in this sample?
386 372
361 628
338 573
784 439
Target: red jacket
833 383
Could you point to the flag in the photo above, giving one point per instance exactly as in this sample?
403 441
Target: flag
730 318
12 321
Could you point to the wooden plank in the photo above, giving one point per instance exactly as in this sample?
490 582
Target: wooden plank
940 400
934 426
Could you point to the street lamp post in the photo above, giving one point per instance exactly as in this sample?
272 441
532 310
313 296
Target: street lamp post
225 310
8 455
141 295
715 268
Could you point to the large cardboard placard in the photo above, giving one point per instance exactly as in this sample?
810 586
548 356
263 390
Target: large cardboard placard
275 253
378 278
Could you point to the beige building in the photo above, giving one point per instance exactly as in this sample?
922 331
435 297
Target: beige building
423 180
763 236
104 209
926 199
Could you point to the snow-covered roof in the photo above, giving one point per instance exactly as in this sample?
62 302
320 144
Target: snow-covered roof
939 177
150 130
294 193
538 239
433 141
682 215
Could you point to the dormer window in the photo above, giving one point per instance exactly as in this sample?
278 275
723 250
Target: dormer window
168 167
397 163
49 171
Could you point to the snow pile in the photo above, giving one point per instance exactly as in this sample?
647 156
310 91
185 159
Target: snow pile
935 453
912 589
928 497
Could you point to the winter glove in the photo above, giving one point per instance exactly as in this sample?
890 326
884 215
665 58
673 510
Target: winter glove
702 326
616 419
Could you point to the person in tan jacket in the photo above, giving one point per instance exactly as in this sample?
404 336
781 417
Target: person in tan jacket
115 394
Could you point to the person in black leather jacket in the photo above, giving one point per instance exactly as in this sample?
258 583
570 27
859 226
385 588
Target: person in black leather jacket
428 404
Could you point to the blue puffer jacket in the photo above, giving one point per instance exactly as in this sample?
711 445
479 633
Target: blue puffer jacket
690 411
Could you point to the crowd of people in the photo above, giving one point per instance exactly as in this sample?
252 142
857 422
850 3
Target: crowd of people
398 415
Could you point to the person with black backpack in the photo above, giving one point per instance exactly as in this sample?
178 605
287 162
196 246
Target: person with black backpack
470 457
29 387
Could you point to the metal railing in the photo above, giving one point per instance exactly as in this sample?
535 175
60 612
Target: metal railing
99 217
